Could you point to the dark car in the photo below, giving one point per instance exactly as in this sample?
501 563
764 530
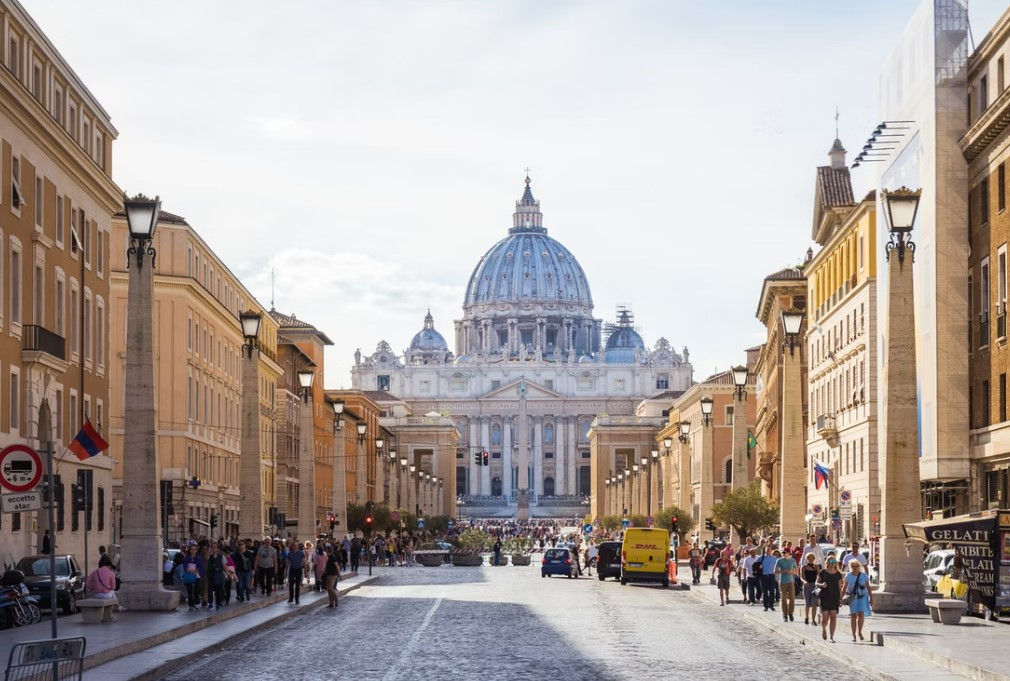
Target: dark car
69 580
608 559
558 561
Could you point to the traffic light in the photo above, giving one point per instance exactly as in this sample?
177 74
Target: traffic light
368 522
213 520
487 458
673 523
333 520
709 525
477 458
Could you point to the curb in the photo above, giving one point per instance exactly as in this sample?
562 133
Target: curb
102 657
946 663
167 668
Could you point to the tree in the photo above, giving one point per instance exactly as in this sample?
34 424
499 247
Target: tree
685 523
746 510
610 522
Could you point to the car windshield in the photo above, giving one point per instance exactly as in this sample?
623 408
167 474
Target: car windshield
38 567
556 553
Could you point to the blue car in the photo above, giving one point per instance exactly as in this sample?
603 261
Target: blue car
559 561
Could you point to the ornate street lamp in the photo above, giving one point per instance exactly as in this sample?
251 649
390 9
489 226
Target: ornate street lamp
685 432
668 444
706 410
362 428
306 456
338 413
142 219
250 321
792 320
380 443
655 454
305 379
740 381
900 208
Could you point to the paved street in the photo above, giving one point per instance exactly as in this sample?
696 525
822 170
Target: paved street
510 623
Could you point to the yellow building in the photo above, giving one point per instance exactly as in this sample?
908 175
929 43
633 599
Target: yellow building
198 378
56 201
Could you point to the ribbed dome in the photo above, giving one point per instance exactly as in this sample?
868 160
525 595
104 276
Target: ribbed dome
428 339
528 265
624 342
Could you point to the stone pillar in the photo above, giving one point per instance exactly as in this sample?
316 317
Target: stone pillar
485 443
506 458
538 454
653 506
250 514
560 456
141 543
706 493
792 481
684 476
740 476
473 441
523 511
574 455
339 500
306 471
900 498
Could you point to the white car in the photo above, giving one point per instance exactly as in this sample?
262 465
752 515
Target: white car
934 567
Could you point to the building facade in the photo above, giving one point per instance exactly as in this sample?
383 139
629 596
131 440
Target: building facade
527 341
841 424
56 201
198 378
986 147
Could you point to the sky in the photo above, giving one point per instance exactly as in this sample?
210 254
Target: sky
350 162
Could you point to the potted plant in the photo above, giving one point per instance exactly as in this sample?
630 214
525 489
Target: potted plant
429 554
469 547
519 549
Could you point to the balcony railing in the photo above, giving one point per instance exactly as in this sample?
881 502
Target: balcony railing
40 339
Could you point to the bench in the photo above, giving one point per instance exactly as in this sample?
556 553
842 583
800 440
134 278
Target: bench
946 610
97 610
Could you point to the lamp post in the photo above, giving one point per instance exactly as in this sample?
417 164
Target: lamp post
392 475
741 477
684 466
623 510
412 491
900 498
306 459
635 492
141 542
380 467
792 448
401 485
705 490
654 481
339 465
250 510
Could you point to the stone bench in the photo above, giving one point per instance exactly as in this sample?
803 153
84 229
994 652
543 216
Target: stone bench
97 610
946 610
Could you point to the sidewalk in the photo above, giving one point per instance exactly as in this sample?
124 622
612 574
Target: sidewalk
897 646
137 644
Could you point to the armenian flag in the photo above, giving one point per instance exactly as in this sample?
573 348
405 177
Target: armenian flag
88 443
821 473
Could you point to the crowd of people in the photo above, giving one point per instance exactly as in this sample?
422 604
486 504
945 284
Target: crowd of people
774 574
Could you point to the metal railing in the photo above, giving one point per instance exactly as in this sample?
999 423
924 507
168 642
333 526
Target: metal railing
37 338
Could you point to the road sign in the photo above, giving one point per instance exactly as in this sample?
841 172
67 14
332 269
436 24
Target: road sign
816 509
587 528
21 501
650 521
845 512
836 524
394 517
20 468
625 523
420 523
845 496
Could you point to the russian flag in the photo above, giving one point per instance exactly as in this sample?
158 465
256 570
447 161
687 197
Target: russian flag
88 443
821 473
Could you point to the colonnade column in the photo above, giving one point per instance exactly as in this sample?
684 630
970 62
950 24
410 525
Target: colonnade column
560 458
538 455
506 458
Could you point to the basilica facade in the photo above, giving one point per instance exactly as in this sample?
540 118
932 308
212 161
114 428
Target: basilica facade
529 354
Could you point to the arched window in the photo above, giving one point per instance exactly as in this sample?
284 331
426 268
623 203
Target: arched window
549 486
549 434
727 468
585 425
496 434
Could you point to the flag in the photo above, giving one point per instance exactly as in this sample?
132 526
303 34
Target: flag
752 442
88 442
821 473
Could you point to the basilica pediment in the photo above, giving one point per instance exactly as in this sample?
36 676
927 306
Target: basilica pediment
534 391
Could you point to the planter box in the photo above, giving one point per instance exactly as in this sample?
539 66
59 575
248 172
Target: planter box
468 561
429 560
518 559
503 561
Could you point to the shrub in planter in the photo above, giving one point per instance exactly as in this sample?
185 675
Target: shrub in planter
470 546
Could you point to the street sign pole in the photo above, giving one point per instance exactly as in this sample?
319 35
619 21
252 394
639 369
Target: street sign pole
52 542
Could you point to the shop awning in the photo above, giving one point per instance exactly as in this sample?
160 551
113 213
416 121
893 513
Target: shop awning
967 530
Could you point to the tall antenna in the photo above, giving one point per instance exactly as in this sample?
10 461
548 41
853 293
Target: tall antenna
836 121
272 287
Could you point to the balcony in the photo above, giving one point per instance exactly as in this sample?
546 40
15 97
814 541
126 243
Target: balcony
827 430
39 344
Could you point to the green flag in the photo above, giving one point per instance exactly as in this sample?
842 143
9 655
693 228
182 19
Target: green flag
751 442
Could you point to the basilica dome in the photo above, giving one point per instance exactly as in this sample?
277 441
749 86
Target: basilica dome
624 343
428 338
528 265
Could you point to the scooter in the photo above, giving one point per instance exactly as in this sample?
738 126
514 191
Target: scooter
17 607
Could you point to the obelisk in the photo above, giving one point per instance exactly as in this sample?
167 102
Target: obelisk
523 511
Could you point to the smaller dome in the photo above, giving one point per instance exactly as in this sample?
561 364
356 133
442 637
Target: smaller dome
624 343
428 339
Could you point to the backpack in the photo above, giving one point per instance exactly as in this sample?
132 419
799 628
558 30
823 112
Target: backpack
759 567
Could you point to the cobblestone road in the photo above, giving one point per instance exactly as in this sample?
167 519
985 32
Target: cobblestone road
509 623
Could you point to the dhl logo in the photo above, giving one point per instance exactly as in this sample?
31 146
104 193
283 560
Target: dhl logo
645 546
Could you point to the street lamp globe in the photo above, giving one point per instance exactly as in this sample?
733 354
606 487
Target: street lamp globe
739 376
305 378
379 444
645 461
685 428
900 208
413 468
792 320
668 443
142 216
634 467
655 454
338 408
403 462
392 456
250 320
362 428
706 405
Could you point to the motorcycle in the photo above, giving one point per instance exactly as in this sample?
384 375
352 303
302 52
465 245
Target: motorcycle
17 607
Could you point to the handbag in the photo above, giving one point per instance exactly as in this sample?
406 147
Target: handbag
189 578
816 593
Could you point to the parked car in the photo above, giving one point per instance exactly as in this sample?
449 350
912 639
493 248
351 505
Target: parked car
934 566
69 580
608 560
558 561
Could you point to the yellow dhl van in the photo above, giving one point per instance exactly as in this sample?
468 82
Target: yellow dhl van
645 555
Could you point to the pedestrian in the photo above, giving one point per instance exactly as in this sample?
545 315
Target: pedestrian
355 554
750 578
192 572
47 544
829 582
497 551
296 567
319 560
167 566
695 558
859 597
215 575
266 566
721 570
101 583
332 576
768 562
242 566
854 554
786 570
808 575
